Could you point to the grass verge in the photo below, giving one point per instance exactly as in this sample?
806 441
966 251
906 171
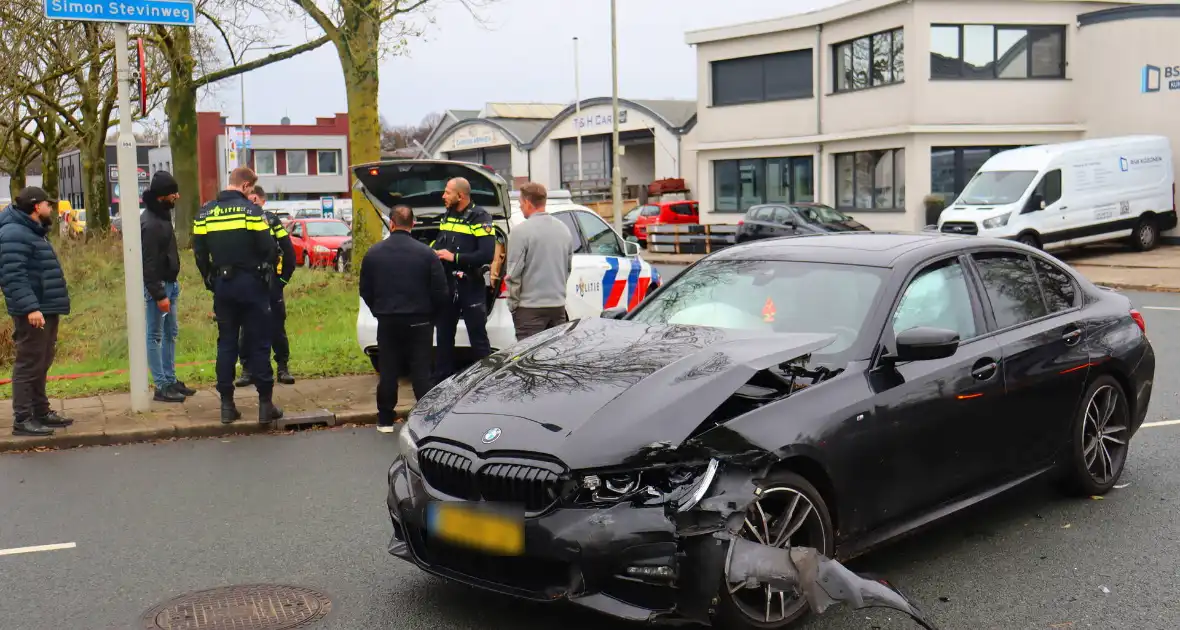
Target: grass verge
321 324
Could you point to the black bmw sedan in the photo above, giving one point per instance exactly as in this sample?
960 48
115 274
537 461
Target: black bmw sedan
828 392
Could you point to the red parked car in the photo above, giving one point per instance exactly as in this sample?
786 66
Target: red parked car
665 213
316 241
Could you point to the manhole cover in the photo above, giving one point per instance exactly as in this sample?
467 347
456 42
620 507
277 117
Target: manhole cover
249 607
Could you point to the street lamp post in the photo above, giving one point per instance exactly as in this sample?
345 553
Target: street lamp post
616 185
243 152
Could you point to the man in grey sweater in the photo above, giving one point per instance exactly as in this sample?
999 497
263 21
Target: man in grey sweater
540 254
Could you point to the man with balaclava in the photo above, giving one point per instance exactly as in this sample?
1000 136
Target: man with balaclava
161 268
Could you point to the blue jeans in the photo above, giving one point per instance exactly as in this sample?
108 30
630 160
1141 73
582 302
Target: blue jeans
162 329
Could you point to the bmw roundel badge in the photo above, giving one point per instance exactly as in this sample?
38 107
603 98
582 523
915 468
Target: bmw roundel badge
492 435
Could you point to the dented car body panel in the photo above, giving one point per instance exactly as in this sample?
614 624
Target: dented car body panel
635 449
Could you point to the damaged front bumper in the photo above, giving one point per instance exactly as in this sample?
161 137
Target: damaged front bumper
645 563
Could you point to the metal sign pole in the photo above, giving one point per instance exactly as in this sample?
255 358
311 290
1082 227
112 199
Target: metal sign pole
129 208
616 185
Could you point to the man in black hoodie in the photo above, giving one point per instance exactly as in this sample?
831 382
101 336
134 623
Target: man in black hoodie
161 266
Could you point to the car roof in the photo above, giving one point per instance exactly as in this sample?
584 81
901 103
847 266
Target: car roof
870 249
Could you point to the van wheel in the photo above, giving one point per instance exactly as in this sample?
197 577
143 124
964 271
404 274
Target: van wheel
1147 235
1029 239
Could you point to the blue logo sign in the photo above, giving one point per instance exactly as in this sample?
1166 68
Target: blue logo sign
492 435
1154 78
162 12
1124 164
328 205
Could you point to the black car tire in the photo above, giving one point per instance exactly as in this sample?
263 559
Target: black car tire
1030 239
729 614
1084 479
1146 236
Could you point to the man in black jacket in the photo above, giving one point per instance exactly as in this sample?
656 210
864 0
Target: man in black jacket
161 266
36 295
403 284
278 306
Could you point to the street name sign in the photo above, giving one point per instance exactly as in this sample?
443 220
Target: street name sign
159 12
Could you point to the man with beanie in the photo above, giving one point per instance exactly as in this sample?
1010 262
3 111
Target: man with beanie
161 266
36 296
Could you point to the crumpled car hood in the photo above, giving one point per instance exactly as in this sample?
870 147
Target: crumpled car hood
598 392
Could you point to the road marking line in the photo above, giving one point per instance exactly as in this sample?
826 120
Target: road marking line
54 547
1161 308
1162 423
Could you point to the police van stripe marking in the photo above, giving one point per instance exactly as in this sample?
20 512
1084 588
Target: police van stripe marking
633 283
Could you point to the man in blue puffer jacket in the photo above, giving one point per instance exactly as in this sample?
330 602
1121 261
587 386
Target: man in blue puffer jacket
36 295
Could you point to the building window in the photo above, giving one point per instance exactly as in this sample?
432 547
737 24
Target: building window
871 180
265 163
776 77
297 162
870 61
985 51
741 184
328 162
952 167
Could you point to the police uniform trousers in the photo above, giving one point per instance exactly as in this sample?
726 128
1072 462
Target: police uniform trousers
470 304
241 304
279 343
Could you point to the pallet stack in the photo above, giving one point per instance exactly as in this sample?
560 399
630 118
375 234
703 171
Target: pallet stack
689 238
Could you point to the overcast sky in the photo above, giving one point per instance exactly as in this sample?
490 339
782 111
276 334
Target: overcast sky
524 53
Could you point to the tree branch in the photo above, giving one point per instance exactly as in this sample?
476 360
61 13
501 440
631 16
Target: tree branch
321 19
226 73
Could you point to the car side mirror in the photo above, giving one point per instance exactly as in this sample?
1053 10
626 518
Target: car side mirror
614 313
630 248
923 343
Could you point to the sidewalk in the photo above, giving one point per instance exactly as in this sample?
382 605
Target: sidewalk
108 419
1109 265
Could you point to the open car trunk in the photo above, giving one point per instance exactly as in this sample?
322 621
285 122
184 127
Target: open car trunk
419 184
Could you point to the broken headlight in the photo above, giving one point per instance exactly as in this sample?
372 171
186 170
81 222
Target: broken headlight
684 485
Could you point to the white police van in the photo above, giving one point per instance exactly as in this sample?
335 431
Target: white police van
1076 193
607 271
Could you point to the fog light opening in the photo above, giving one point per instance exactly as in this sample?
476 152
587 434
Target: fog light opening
651 572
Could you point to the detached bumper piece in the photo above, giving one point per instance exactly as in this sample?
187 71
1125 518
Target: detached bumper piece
821 580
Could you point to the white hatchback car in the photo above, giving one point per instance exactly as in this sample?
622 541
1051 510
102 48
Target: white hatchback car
607 271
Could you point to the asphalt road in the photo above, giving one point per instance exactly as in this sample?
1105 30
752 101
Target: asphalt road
154 521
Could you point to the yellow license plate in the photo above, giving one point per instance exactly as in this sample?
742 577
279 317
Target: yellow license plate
493 532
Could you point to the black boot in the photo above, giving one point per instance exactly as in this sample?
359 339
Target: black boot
229 411
54 420
268 412
31 427
169 395
284 375
245 379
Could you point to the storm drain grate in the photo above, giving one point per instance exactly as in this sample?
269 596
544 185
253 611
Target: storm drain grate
248 607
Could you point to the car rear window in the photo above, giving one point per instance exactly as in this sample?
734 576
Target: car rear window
420 185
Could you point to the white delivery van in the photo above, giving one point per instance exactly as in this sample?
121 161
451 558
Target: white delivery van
1077 193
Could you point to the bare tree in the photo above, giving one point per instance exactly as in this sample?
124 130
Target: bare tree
362 31
403 136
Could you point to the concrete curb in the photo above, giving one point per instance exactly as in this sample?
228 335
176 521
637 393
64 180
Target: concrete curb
1147 288
206 429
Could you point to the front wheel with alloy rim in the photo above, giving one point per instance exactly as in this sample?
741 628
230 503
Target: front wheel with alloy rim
788 513
1147 235
1100 438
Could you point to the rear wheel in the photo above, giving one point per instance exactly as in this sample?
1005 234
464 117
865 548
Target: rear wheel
789 513
1099 439
1147 234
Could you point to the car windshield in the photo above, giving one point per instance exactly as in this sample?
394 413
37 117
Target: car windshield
327 228
990 188
771 296
822 214
630 216
649 211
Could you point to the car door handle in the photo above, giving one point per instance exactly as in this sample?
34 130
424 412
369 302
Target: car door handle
1072 337
986 371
